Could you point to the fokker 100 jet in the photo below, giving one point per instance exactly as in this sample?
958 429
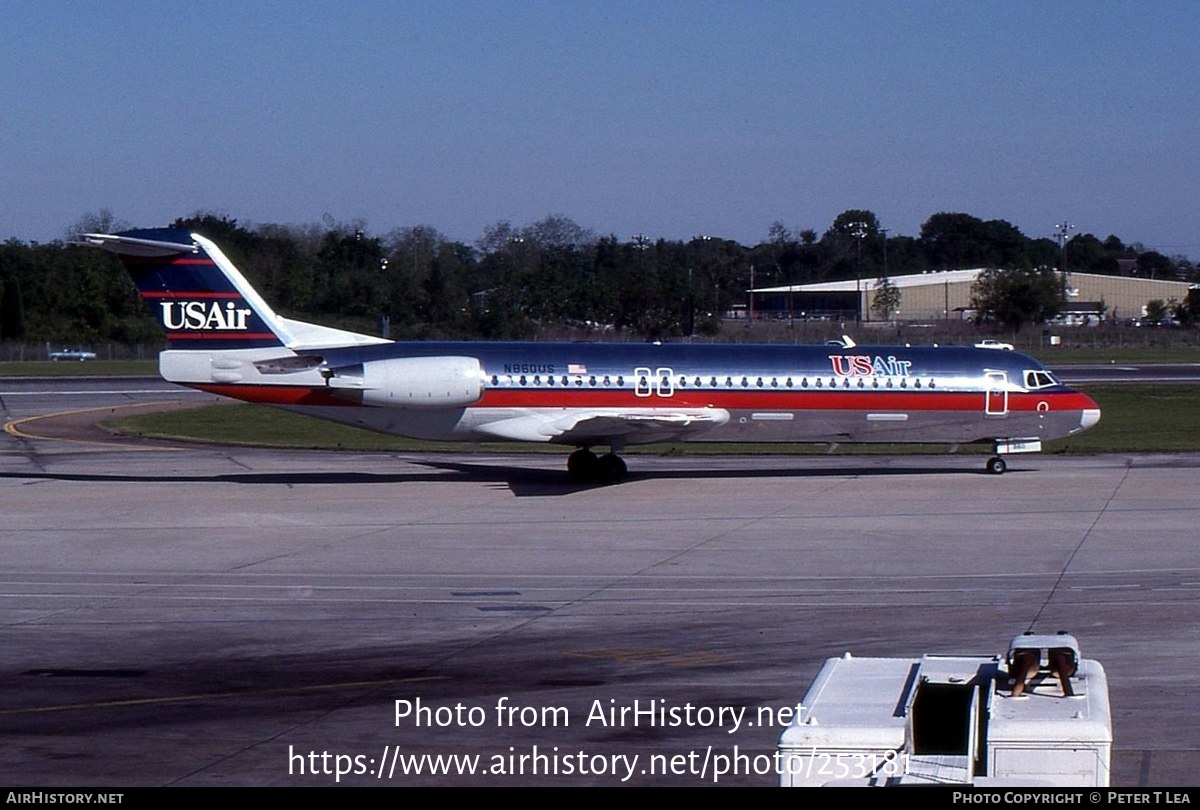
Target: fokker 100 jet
225 339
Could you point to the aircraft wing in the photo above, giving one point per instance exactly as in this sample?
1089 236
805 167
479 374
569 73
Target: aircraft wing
604 425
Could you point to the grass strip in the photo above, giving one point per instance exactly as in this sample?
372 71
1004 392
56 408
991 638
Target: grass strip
1136 418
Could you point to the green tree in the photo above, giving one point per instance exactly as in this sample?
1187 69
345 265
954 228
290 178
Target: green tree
350 270
411 259
1187 311
283 257
1017 296
1085 253
12 311
102 221
953 241
506 284
850 221
886 299
961 240
1156 310
851 247
1153 264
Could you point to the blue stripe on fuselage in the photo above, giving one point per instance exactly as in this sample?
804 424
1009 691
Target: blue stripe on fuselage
741 359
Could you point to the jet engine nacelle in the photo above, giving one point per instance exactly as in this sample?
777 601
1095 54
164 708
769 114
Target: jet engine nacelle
413 382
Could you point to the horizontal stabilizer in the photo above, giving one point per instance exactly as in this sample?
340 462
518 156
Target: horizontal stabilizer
131 246
313 337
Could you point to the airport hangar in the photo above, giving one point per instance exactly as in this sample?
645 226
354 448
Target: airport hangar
946 294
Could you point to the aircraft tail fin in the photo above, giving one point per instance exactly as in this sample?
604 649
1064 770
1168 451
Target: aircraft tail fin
203 301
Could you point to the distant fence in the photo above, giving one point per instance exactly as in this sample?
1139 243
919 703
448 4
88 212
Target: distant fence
13 351
743 330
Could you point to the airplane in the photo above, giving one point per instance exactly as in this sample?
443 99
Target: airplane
225 339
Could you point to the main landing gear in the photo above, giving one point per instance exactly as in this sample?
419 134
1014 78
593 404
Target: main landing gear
996 465
585 467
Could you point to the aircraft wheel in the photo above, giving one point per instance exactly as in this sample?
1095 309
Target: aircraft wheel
582 465
996 465
610 468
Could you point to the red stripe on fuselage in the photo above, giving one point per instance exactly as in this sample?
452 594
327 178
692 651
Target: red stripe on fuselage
864 401
177 294
838 400
158 261
221 336
275 394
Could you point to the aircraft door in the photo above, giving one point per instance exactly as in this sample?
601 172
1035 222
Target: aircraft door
996 400
646 383
666 382
643 385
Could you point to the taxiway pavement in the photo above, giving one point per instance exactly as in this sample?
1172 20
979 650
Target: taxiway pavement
214 616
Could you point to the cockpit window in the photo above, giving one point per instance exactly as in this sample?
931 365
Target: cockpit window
1039 379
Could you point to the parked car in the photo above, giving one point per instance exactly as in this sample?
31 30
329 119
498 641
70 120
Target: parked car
72 354
993 344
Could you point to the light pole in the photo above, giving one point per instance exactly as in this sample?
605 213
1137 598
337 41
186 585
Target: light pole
859 233
883 285
1063 234
884 232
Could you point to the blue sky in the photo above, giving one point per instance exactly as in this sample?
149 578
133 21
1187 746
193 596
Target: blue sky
670 119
